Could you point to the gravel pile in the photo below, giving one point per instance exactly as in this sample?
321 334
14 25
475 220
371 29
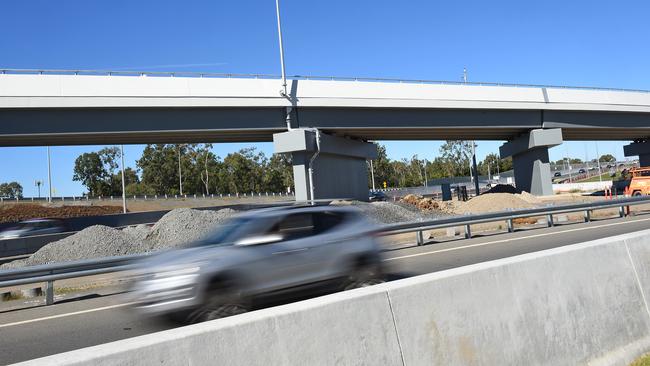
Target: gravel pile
92 242
139 232
183 225
389 213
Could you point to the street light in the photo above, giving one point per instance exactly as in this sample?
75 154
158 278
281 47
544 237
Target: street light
49 176
123 181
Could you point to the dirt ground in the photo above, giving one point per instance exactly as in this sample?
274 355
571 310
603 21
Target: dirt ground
17 211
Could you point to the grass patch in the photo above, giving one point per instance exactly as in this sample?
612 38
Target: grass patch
642 361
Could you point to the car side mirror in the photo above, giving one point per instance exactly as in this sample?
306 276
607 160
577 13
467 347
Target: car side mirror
260 239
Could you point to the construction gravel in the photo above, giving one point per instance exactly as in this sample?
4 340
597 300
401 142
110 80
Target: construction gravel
183 225
92 242
390 213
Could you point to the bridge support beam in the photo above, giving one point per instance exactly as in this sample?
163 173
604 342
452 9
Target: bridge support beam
339 164
640 148
530 159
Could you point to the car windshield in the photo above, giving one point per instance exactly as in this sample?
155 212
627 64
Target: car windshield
223 232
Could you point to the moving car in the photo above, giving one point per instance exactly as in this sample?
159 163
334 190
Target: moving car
557 174
377 196
582 171
33 227
260 254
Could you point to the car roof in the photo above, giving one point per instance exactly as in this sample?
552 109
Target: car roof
283 210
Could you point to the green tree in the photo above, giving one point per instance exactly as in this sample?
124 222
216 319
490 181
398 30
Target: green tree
383 170
456 154
159 167
11 190
89 170
278 174
607 158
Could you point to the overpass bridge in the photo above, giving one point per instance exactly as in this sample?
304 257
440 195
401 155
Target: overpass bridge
332 115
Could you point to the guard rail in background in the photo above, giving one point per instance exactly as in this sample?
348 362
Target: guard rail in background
153 197
115 264
575 305
49 273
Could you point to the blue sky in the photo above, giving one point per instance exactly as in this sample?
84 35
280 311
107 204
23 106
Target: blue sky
587 43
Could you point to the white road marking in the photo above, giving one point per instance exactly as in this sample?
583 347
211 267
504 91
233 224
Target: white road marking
65 315
515 239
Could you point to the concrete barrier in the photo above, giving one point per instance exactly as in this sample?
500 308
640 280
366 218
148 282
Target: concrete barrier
580 304
583 186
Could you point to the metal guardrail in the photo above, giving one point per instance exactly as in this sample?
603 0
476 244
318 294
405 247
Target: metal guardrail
49 273
296 77
52 272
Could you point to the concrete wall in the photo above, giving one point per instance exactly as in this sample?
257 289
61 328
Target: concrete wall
584 187
575 305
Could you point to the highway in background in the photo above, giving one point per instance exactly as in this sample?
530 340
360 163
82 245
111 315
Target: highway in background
42 331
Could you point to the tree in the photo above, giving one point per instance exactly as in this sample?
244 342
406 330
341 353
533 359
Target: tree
383 170
89 170
607 158
278 173
493 160
159 166
11 190
456 155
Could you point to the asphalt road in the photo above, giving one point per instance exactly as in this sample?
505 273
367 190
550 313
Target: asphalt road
41 331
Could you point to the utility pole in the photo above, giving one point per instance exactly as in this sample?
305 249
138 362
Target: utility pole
600 173
49 176
123 181
372 175
180 173
475 168
284 77
465 75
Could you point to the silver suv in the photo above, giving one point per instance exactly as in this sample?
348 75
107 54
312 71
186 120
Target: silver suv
279 251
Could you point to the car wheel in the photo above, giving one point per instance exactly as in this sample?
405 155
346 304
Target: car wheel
636 193
220 304
364 275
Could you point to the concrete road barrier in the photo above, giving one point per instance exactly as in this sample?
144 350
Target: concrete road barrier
580 304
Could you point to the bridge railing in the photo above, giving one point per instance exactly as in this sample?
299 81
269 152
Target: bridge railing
192 74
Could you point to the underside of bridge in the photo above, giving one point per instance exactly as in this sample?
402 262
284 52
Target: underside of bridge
523 129
87 126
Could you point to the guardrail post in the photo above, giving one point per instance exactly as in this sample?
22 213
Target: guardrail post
419 238
621 211
549 220
587 215
511 226
49 293
468 232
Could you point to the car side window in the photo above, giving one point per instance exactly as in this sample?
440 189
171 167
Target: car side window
325 221
295 226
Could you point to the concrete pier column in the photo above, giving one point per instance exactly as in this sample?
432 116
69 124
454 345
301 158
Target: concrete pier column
339 169
530 159
640 148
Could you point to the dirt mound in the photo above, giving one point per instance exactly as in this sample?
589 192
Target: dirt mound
495 202
92 242
411 199
15 212
183 225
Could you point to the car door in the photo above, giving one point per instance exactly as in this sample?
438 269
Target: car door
294 259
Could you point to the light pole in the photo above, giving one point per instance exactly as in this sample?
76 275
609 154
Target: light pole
38 184
284 77
474 168
426 180
372 175
600 173
123 181
49 176
180 173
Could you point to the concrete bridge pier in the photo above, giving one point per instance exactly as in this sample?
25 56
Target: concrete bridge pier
339 164
530 159
640 148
